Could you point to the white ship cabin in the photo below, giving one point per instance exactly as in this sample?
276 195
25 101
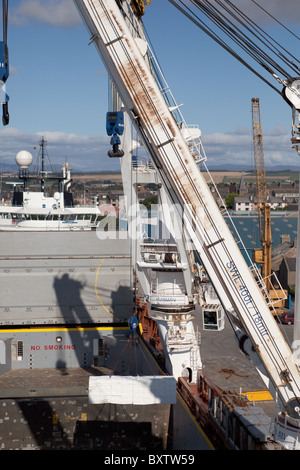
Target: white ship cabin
35 211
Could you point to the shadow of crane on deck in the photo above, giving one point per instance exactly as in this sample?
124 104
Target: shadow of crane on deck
58 422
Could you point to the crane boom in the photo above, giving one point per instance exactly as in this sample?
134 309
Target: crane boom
235 285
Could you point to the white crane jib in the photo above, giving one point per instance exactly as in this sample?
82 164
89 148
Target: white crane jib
235 285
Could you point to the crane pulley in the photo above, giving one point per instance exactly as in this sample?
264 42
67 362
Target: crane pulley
4 65
138 6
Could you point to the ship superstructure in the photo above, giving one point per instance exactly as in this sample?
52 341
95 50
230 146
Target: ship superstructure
37 210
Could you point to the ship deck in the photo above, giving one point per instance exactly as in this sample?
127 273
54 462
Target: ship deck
229 369
47 409
28 383
222 362
44 395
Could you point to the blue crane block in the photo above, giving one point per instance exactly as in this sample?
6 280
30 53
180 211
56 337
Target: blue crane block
115 123
115 128
133 323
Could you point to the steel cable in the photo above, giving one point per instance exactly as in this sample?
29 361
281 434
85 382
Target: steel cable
277 21
240 38
261 35
264 33
198 22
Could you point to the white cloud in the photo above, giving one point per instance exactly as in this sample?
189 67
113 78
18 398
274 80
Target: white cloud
265 11
282 11
61 13
84 153
236 148
89 153
64 13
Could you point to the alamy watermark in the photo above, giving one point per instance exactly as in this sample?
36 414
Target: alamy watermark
161 221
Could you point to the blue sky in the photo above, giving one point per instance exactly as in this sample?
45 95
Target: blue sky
58 86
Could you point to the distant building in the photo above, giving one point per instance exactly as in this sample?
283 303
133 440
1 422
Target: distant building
284 261
289 192
287 273
107 209
113 198
243 190
249 203
286 249
233 187
244 203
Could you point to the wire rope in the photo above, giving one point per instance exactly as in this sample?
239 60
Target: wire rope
237 36
275 19
198 22
264 33
263 37
274 65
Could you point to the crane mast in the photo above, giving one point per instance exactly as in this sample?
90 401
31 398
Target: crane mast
264 210
263 255
236 286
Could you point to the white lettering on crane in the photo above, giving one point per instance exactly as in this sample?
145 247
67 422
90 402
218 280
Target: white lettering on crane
247 298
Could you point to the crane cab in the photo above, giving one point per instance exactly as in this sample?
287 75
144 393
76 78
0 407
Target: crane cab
213 317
